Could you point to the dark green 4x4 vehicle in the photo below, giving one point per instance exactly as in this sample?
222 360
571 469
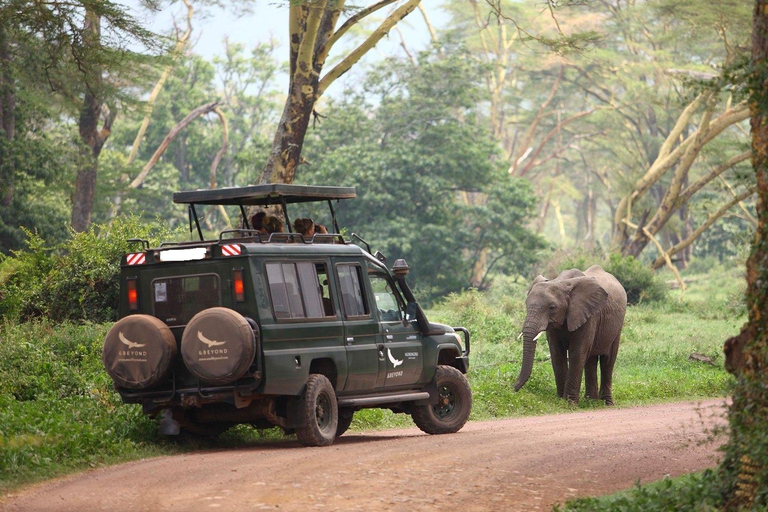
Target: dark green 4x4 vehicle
280 330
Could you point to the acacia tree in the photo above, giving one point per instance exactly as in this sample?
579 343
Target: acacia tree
660 141
313 33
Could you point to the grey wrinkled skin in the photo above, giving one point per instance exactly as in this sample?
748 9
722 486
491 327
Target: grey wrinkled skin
583 314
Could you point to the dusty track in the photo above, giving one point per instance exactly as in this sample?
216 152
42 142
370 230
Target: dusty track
515 464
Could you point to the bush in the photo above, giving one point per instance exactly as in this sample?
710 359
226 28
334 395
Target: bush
58 409
637 279
76 281
690 492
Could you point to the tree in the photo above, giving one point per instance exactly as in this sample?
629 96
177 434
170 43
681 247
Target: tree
77 44
414 148
312 35
745 466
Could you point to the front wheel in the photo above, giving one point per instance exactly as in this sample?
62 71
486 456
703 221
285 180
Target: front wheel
453 406
320 413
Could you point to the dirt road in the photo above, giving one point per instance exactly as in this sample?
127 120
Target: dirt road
514 464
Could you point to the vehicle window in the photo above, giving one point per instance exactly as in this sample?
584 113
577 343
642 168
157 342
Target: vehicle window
177 299
386 298
350 282
296 291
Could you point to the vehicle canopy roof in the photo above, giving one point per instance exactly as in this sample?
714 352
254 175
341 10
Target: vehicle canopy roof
264 195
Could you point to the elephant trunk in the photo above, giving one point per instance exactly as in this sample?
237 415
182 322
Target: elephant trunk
531 330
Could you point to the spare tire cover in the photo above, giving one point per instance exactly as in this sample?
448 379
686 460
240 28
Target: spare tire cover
218 345
138 351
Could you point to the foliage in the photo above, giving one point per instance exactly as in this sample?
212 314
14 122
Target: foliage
76 280
692 492
58 411
427 190
639 281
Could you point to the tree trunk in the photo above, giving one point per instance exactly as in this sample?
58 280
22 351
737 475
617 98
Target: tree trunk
285 155
744 465
92 137
7 114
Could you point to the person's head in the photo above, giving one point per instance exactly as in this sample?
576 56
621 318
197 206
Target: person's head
257 220
304 227
272 224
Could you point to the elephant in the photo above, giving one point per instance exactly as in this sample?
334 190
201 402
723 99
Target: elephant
582 314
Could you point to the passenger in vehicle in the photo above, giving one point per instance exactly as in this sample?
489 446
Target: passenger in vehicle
307 227
272 224
257 222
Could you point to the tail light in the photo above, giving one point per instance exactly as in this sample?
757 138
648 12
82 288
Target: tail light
238 286
133 293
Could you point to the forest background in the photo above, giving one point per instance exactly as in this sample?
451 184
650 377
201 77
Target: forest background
513 138
513 129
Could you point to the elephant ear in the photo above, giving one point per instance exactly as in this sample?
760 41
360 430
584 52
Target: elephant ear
586 298
571 273
539 279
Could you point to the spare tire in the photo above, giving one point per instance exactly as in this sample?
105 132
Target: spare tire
218 346
138 351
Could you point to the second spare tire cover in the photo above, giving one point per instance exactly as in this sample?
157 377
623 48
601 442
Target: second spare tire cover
138 351
218 345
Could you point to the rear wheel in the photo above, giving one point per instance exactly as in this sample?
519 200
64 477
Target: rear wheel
453 407
320 413
345 420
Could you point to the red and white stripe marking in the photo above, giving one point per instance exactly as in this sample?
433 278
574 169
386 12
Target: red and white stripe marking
136 258
231 250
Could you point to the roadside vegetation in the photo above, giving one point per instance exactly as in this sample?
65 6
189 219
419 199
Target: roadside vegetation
59 413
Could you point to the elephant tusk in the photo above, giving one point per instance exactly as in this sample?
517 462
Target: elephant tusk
538 335
520 335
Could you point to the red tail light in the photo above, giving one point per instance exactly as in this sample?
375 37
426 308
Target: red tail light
133 294
238 287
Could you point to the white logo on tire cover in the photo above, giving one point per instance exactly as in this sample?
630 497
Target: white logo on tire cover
128 342
210 343
395 362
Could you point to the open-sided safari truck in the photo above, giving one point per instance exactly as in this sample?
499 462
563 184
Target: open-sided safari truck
279 330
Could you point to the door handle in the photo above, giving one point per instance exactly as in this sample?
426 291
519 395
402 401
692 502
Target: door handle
350 339
390 337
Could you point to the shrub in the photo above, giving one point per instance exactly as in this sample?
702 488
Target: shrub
76 281
637 279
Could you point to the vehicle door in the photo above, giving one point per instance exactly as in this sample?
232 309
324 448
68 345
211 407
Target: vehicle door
365 355
402 339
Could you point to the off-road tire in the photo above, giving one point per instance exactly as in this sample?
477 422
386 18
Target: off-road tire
453 407
320 413
345 420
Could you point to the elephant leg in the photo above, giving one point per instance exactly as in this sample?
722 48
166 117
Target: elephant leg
590 377
606 373
579 346
559 359
573 382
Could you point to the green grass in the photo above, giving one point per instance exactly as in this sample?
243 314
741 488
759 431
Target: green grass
58 412
696 491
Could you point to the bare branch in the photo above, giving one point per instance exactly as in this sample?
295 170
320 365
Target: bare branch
199 111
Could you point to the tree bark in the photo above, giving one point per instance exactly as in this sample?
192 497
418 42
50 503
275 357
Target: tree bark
745 479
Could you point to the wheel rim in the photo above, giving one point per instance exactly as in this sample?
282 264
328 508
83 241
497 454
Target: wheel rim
447 403
323 411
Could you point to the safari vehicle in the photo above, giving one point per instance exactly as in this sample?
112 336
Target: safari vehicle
279 330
